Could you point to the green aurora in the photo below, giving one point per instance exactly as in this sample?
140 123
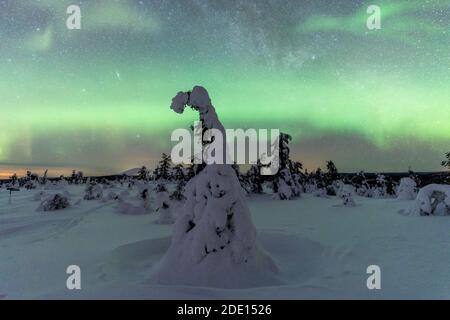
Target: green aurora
98 98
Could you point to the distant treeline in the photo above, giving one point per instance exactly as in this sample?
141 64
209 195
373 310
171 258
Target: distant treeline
425 177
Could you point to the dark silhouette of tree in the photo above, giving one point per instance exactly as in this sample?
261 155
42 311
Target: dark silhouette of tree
178 174
446 163
255 179
162 171
143 174
13 179
242 179
414 176
390 186
319 178
332 173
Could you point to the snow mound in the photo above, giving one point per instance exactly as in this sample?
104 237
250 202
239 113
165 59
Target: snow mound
432 200
216 270
128 208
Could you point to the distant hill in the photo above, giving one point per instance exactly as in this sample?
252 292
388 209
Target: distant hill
131 172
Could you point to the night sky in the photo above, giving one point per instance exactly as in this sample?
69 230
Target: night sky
98 98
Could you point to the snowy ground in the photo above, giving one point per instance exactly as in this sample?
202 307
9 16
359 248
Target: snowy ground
322 250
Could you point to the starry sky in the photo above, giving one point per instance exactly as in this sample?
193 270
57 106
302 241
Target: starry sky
98 98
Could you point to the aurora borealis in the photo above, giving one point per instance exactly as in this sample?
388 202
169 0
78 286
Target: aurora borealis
98 98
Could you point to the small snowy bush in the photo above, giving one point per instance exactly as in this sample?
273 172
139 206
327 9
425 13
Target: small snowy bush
93 191
129 209
346 192
54 202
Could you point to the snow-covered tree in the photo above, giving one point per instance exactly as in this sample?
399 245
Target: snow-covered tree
297 174
255 179
30 181
287 188
162 171
407 189
178 193
309 184
332 174
318 186
332 179
362 186
432 200
178 174
284 185
415 177
144 194
179 178
76 177
163 205
44 179
391 187
190 172
380 188
214 238
446 163
347 199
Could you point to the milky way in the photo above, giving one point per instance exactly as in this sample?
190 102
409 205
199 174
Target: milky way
98 98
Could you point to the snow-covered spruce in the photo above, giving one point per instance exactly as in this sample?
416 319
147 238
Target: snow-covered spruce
284 186
163 206
432 200
379 191
287 188
144 196
179 178
214 241
178 193
255 179
331 178
361 185
319 183
407 189
54 202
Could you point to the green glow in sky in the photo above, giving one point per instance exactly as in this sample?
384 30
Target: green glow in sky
99 97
